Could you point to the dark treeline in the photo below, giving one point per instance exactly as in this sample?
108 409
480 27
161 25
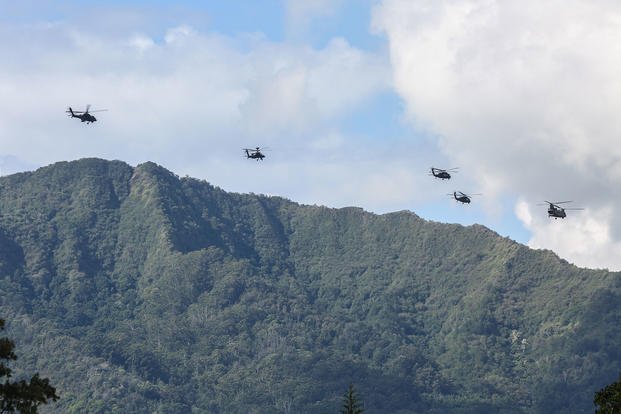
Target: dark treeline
20 395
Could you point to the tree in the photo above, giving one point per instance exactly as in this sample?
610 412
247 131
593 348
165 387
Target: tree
350 402
608 399
21 396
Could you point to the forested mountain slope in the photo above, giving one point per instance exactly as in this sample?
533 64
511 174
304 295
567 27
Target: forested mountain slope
135 290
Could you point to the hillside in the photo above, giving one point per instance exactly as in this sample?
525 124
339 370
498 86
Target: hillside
136 290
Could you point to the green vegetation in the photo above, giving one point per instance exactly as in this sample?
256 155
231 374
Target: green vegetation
350 402
21 396
608 399
136 291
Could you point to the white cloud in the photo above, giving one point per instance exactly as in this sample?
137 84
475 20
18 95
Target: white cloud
300 87
192 100
300 13
179 34
10 164
587 240
141 43
527 96
192 85
330 141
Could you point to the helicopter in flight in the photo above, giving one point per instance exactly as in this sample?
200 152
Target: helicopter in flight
556 211
462 197
255 153
443 174
85 116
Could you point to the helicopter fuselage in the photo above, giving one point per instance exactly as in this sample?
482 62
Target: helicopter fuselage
442 174
256 155
462 198
556 212
84 117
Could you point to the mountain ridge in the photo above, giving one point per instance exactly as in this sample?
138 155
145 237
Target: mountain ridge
176 293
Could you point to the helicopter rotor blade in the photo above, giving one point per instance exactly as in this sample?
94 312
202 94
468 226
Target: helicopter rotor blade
575 208
561 202
87 108
98 110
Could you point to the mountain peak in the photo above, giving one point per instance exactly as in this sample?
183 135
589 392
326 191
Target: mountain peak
183 291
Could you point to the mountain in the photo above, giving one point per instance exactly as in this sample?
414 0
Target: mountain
135 290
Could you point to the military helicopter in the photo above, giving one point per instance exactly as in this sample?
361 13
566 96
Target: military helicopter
554 210
443 174
462 197
254 153
85 116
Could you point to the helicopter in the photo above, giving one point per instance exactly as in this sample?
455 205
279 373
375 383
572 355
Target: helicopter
254 153
85 116
554 210
443 174
462 197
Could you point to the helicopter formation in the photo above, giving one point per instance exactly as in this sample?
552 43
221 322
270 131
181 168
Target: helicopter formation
554 210
446 175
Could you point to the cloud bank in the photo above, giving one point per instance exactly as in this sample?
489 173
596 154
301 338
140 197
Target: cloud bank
191 99
526 95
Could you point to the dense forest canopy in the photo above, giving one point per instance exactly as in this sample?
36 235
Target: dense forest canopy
133 289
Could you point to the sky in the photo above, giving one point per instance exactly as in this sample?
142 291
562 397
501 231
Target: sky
355 99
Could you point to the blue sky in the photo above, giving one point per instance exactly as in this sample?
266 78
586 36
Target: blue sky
356 98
